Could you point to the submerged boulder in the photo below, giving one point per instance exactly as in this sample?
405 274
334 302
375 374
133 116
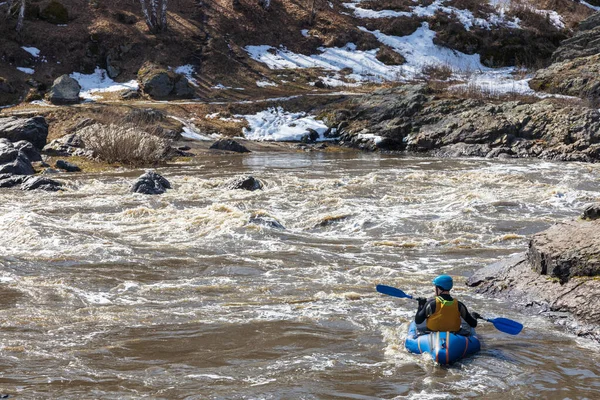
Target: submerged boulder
150 183
41 183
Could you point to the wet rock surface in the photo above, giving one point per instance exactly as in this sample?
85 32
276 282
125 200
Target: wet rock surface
557 277
244 183
150 183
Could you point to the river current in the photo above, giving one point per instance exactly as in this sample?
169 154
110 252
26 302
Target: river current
209 293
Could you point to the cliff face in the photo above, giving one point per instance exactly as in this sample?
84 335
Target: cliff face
558 276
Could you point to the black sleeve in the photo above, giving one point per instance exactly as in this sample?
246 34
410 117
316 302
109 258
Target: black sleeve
464 313
424 312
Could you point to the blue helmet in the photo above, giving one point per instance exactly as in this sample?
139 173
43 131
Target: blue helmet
443 281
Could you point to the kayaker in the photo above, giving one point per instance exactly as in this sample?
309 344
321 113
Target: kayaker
443 313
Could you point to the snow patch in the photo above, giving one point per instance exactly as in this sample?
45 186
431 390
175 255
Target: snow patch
553 16
187 71
364 64
366 13
265 83
419 50
26 70
100 82
275 124
32 50
304 32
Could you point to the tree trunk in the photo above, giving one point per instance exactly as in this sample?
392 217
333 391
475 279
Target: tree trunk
163 17
21 17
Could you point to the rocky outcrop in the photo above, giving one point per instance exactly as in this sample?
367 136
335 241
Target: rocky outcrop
68 145
229 145
584 43
150 183
579 77
64 90
558 276
414 118
575 71
244 183
160 83
33 130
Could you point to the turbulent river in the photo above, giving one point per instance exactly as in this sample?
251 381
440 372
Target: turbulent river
199 294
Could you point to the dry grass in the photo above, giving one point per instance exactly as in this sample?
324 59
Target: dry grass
440 72
477 92
124 144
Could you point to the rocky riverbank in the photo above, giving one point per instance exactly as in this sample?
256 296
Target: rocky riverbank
559 275
417 118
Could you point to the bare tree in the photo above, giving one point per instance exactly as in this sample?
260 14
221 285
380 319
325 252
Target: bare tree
21 14
156 16
313 12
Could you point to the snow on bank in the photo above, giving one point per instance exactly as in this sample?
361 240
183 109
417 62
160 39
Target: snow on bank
188 72
99 82
466 17
364 64
419 50
275 124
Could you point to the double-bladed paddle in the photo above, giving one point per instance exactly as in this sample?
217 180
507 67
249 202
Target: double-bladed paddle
502 324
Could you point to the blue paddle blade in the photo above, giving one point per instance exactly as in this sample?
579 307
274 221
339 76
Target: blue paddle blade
392 291
506 325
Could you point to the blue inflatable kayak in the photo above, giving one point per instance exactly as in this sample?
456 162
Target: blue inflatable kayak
444 347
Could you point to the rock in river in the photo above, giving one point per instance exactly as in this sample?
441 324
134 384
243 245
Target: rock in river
150 183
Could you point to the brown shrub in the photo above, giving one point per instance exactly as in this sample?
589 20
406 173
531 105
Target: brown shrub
124 144
439 72
388 56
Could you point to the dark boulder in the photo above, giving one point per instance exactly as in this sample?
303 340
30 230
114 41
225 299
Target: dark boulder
245 183
591 212
41 183
21 165
33 130
30 151
150 183
161 83
8 181
67 166
64 90
229 145
8 152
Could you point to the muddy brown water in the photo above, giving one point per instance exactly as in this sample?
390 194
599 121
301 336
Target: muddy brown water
109 295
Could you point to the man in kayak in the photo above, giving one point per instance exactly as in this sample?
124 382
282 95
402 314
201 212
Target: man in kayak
443 313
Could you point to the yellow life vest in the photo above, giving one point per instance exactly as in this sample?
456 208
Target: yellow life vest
446 317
